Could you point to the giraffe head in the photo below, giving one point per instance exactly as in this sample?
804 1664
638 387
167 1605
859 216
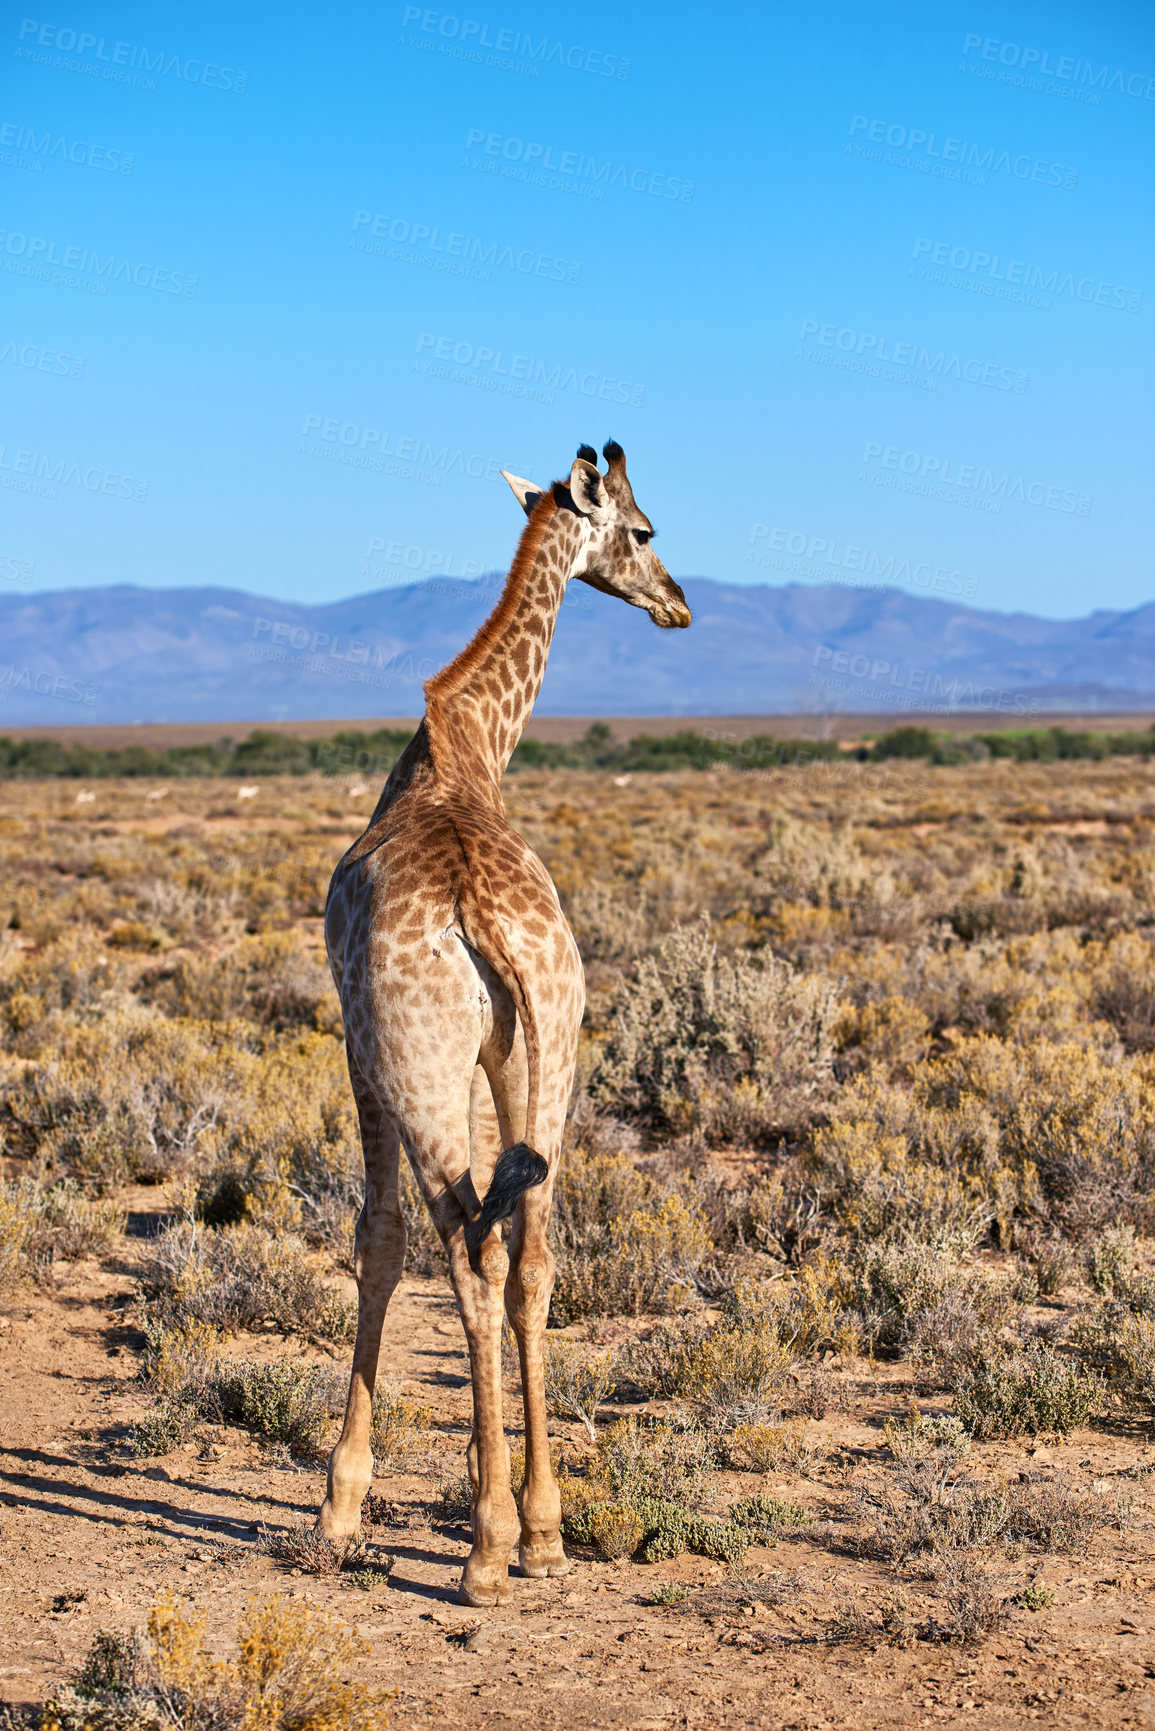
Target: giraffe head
615 553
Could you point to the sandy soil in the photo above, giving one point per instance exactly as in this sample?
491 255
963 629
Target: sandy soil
90 1536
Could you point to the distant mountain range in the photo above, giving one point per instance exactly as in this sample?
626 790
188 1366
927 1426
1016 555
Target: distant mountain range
125 654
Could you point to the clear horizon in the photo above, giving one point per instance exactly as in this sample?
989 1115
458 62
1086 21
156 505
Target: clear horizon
850 291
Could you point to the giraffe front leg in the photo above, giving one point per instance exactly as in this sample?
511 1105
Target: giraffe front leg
495 1523
527 1296
379 1261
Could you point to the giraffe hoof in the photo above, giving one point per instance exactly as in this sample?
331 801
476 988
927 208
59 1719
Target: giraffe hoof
542 1557
329 1526
484 1585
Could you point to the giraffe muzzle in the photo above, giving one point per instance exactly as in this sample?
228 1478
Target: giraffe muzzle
671 615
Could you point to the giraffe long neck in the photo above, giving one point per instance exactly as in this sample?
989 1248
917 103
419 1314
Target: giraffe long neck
477 707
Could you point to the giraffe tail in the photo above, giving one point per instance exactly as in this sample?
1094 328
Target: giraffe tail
517 1170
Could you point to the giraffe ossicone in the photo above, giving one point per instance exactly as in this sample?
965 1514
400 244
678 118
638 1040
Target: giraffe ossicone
462 993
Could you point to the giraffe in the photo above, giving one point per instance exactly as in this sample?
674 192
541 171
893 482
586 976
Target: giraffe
462 993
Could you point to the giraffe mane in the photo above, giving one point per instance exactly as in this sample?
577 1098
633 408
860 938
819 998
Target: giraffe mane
449 681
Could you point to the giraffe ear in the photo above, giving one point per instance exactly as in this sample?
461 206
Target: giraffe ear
526 493
587 489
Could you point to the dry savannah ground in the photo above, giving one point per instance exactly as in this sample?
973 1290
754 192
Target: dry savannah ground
852 1355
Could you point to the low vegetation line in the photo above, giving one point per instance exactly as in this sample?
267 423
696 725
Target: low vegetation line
266 752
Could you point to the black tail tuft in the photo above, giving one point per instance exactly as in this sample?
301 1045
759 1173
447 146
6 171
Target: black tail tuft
517 1170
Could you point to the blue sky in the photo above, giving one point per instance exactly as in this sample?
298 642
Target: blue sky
867 294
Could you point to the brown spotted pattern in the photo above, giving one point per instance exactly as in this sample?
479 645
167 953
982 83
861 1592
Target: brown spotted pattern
462 993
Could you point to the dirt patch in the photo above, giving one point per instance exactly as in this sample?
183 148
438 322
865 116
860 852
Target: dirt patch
91 1537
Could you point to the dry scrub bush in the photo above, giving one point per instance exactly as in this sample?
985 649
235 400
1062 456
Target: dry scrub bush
1116 1337
239 1278
971 1599
1059 1134
925 1507
623 1247
395 1424
765 1448
920 1301
303 1548
735 1372
616 1530
192 1383
263 1122
720 1048
578 1380
265 979
41 1224
13 1237
286 1677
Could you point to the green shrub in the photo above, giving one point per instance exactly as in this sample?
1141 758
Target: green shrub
662 1460
1025 1391
285 1402
192 1383
768 1516
667 1530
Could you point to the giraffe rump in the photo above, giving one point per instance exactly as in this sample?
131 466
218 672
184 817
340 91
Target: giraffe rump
517 1170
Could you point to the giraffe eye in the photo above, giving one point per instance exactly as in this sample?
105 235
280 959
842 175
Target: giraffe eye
642 536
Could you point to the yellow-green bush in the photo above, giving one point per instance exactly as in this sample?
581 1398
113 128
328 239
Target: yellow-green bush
623 1247
287 1676
1060 1133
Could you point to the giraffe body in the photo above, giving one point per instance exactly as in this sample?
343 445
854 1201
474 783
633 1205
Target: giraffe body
462 993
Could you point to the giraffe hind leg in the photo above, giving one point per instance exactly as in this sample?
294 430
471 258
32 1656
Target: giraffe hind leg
518 1169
